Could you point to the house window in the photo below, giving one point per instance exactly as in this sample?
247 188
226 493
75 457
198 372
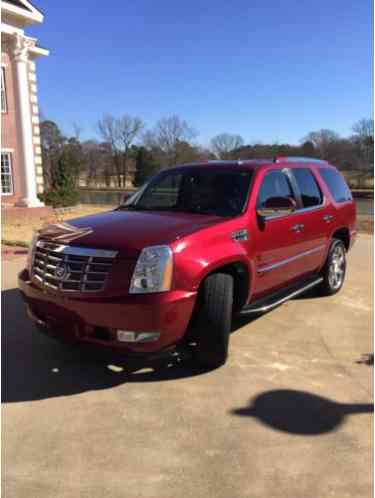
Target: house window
3 91
6 174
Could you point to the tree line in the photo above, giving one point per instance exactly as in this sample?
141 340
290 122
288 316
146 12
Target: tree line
127 153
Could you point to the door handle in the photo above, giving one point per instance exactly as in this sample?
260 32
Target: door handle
298 228
327 217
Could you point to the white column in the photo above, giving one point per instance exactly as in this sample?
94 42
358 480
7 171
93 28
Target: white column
25 130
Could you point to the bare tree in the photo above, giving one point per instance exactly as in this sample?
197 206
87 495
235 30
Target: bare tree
108 131
167 136
363 140
120 133
77 131
322 141
224 144
364 128
128 129
97 162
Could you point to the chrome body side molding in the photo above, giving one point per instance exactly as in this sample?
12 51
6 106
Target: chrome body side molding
283 262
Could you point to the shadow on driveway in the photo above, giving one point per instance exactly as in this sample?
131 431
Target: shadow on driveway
36 367
299 412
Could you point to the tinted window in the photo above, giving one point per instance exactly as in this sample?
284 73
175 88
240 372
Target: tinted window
308 187
205 191
163 193
275 184
336 185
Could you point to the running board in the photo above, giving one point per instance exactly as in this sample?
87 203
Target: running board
276 298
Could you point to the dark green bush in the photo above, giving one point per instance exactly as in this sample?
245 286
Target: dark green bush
60 198
63 191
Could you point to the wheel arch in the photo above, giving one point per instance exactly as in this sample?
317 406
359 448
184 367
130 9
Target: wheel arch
241 273
343 234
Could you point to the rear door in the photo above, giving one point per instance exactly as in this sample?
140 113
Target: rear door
278 240
314 212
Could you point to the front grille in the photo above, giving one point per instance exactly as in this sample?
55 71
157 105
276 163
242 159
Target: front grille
71 269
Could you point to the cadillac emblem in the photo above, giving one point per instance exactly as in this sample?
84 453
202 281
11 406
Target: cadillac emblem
62 271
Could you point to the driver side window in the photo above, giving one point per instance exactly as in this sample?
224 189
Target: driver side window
275 184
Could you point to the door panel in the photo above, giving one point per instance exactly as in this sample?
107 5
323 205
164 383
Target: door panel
279 249
314 215
278 237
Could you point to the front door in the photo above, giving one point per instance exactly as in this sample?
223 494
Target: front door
279 237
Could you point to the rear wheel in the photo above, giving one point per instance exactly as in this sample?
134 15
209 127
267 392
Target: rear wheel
334 270
214 320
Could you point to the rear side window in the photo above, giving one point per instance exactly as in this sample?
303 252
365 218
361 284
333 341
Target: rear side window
275 184
309 189
336 184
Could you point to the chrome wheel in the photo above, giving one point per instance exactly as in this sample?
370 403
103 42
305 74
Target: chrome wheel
336 269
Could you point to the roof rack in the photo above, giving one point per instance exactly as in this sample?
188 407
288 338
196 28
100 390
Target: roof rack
298 159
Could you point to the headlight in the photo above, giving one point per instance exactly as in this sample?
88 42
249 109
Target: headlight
30 255
153 271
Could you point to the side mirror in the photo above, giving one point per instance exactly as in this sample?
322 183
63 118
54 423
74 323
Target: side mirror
277 206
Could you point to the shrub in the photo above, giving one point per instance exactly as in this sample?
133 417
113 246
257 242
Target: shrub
63 191
60 197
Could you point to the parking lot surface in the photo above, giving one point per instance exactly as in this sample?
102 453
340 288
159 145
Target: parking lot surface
289 415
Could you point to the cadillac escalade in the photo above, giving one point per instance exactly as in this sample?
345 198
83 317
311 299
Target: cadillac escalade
194 246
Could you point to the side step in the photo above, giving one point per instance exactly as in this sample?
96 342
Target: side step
272 300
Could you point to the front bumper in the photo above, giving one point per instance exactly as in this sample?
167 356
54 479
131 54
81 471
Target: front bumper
96 321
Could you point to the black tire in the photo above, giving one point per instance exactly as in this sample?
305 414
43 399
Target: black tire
332 284
214 320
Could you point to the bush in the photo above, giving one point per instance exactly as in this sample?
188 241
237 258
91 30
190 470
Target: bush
60 197
63 191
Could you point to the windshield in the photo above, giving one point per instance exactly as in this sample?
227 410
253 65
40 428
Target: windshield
206 191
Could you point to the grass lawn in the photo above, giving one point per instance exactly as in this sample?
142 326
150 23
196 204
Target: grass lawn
22 231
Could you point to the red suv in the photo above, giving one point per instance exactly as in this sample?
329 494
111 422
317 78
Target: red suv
195 245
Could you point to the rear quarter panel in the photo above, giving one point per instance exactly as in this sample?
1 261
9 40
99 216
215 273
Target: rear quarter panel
344 213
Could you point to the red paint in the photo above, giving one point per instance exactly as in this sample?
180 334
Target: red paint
200 245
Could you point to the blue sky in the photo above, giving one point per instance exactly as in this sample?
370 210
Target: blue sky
269 70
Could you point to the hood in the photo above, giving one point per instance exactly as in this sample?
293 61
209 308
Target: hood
130 231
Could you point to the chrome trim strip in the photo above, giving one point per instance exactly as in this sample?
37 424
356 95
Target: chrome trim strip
299 159
297 211
289 260
267 307
76 250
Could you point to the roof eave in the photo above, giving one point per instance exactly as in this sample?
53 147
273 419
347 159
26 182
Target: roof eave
30 16
39 51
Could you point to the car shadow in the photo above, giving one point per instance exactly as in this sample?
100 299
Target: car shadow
36 367
300 412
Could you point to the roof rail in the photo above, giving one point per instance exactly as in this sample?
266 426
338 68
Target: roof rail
298 159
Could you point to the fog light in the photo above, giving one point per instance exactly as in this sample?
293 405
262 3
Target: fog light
128 336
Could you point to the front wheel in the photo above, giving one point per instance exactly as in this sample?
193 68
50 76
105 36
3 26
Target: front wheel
335 269
214 320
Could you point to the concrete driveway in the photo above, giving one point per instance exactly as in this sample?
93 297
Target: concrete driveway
288 416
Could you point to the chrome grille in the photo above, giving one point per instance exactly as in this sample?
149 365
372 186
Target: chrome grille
71 269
